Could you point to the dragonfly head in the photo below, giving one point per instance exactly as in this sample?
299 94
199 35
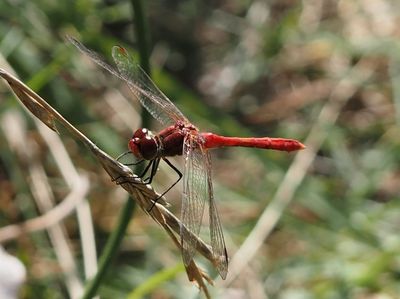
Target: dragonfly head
143 144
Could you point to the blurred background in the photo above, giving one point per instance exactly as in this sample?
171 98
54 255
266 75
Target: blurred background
323 223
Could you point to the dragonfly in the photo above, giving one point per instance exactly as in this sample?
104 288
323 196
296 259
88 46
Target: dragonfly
181 137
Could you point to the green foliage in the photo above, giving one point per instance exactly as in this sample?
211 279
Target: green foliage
237 68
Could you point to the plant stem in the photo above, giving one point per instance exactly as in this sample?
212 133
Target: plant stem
143 40
110 249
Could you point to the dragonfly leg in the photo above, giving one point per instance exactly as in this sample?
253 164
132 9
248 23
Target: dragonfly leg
123 155
154 167
129 164
170 187
146 169
135 163
126 180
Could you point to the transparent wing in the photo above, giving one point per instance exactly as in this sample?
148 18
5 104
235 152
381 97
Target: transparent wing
194 191
158 105
197 191
151 97
216 233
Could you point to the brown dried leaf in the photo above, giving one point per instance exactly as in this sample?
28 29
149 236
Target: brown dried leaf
30 103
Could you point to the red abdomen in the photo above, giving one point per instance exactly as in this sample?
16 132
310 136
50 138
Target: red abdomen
280 144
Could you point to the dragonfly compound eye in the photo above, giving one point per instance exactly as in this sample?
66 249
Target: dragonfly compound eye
133 146
148 148
143 145
141 133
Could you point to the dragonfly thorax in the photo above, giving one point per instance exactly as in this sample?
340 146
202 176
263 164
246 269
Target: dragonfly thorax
143 144
167 143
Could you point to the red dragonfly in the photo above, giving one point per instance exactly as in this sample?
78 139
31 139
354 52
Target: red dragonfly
181 137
